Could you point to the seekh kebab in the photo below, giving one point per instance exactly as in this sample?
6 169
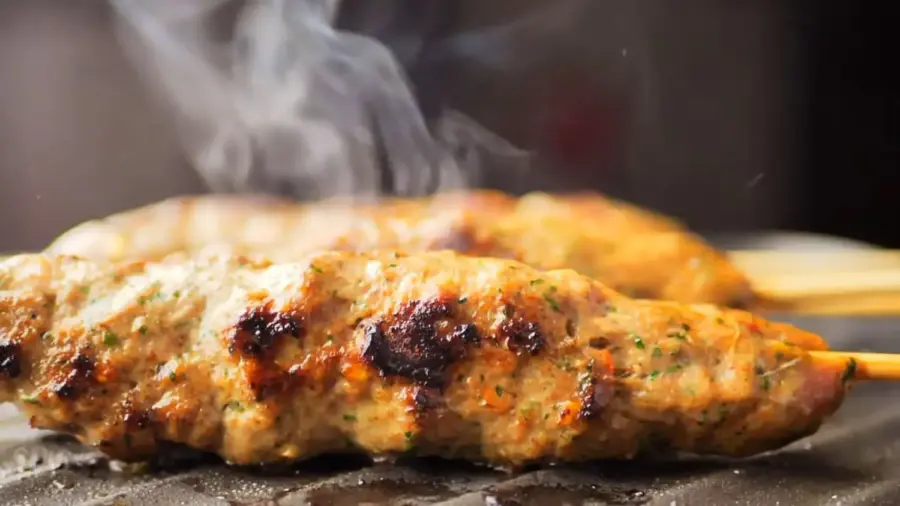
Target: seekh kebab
431 353
630 249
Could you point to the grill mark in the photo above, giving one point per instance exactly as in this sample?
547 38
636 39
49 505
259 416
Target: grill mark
256 333
521 336
80 377
255 338
10 359
412 346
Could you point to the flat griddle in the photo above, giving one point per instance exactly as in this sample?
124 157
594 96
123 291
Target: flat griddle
853 460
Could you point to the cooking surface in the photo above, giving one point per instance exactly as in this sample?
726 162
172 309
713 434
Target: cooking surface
853 460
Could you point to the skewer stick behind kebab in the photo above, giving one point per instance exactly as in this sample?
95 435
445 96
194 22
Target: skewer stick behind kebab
384 353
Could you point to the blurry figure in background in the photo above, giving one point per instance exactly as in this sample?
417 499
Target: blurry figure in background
674 108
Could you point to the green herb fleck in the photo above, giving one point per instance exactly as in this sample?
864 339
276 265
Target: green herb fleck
680 335
534 282
766 383
232 405
349 417
316 268
499 390
173 376
553 304
408 435
84 289
653 375
110 339
638 342
674 368
657 352
177 294
329 337
30 399
143 330
565 365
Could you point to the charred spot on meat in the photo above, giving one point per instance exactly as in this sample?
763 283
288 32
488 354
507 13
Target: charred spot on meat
412 345
79 378
599 343
10 359
521 336
595 395
135 419
258 329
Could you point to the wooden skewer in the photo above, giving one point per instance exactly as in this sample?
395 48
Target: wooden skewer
825 283
862 366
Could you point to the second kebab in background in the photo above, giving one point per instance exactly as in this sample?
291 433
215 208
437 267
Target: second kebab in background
632 250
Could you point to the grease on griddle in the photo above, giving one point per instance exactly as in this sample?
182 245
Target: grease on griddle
548 495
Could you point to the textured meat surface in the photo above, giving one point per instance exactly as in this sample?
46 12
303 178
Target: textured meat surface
385 353
629 249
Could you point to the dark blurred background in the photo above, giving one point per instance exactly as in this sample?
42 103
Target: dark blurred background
733 116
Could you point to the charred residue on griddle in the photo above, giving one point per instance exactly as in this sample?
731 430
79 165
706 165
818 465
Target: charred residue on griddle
258 329
521 336
79 377
10 359
412 346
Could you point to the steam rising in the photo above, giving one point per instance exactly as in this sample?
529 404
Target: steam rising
287 104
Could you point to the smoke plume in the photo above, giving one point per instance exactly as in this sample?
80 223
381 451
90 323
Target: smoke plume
269 97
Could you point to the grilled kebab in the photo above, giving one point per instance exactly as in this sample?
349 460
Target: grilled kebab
431 353
630 249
